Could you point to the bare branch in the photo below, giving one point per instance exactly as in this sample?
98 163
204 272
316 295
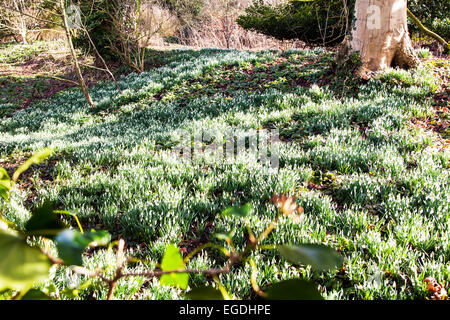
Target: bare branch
30 16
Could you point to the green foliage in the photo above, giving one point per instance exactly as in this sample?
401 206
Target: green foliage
429 9
319 257
204 293
442 27
293 289
186 10
314 22
20 265
373 183
433 14
238 211
96 18
173 260
323 21
18 89
424 53
18 53
34 294
35 159
5 183
71 244
44 222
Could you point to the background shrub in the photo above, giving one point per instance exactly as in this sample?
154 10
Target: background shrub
99 25
322 22
433 14
442 27
299 20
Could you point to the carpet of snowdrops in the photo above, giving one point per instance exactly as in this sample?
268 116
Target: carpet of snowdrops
373 184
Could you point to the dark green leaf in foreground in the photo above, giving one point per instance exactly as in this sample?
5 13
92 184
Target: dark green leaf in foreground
20 264
71 244
238 211
293 289
319 257
34 294
5 183
173 260
44 222
37 158
204 293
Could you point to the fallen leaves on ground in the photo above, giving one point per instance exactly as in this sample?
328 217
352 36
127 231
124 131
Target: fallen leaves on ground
436 289
288 206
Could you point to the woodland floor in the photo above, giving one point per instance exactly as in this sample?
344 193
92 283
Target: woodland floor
367 160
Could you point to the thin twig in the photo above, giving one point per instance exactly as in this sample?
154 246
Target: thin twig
119 266
30 16
102 60
62 79
253 279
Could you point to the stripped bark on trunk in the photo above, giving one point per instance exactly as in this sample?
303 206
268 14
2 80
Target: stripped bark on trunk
380 36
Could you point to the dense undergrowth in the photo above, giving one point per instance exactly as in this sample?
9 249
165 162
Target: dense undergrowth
373 181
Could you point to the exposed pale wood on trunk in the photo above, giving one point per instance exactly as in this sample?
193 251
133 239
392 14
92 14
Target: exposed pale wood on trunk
380 35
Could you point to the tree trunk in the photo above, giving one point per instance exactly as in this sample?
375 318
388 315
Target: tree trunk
380 36
23 33
21 21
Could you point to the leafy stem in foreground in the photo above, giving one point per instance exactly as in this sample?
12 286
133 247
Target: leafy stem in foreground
71 244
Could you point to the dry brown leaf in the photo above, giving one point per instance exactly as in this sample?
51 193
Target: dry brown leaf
288 206
436 289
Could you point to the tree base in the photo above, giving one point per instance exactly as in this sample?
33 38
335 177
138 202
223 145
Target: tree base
350 62
380 36
403 56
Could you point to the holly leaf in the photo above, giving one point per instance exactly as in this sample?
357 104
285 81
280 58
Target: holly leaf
173 260
7 225
71 244
20 264
44 222
204 293
319 257
34 294
293 289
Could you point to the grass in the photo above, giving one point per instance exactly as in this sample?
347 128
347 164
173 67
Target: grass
374 185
